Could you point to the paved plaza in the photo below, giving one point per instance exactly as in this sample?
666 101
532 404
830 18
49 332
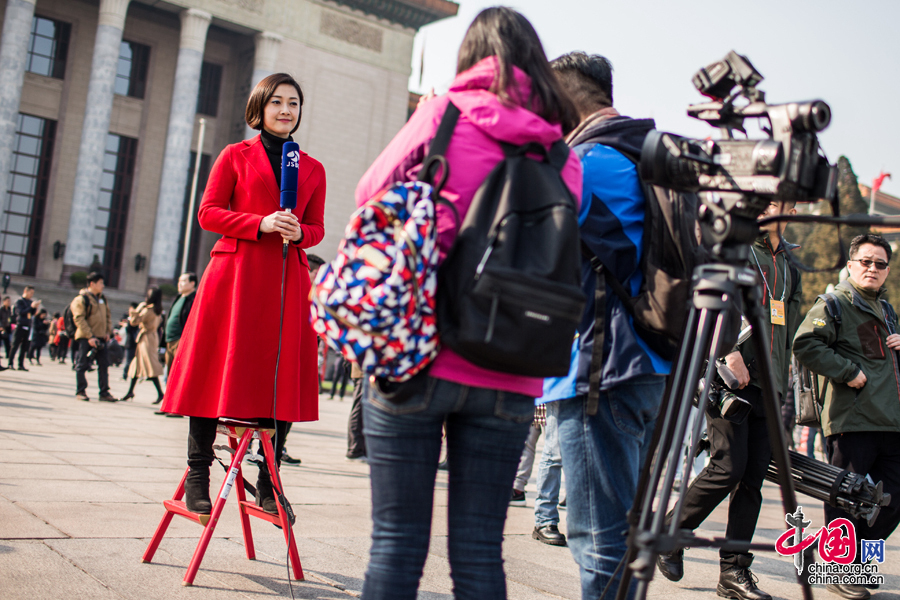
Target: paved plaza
81 486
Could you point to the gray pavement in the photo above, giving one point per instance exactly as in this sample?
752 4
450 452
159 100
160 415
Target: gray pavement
81 486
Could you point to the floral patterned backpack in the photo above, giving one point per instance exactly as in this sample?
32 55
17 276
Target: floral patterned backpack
376 302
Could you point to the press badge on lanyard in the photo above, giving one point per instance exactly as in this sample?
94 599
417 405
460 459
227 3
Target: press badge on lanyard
776 312
776 307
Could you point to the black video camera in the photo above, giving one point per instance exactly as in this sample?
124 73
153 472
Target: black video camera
747 174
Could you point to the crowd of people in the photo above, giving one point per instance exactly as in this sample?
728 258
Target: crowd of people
234 350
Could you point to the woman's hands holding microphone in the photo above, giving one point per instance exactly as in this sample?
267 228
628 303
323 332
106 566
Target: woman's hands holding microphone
284 223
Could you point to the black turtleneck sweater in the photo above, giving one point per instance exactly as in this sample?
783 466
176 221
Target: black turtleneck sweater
273 145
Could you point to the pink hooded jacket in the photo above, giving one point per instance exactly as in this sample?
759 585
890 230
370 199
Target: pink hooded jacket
472 154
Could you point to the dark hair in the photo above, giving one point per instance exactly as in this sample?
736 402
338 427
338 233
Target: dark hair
6 297
504 33
869 238
94 276
43 311
56 315
27 287
154 297
587 78
315 261
261 95
192 277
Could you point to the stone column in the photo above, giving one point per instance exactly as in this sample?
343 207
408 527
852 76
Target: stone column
177 157
268 46
13 55
85 199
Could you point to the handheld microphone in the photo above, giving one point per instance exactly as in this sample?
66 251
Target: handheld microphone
290 162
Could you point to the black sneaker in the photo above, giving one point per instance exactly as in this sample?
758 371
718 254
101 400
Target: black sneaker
83 397
287 458
517 498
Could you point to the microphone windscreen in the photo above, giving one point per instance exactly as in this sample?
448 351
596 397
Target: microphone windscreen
290 161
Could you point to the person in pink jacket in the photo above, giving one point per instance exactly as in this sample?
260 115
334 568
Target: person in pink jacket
506 92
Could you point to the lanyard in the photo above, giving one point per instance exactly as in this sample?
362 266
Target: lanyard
766 283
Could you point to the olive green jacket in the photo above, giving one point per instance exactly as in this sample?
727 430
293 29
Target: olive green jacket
840 353
780 282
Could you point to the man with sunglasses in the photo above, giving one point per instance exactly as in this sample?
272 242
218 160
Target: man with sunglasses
854 343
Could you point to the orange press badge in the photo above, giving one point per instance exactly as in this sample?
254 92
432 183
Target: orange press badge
776 312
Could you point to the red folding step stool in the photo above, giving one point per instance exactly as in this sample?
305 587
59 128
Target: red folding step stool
239 433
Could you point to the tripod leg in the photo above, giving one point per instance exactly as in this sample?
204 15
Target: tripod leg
669 435
757 318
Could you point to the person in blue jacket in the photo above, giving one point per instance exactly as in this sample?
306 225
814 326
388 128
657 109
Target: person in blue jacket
604 446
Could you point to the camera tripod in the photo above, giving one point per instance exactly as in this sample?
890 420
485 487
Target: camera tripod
719 289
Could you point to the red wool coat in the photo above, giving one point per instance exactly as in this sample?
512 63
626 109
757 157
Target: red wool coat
225 363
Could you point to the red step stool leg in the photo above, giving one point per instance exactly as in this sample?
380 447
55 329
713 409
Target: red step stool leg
242 497
164 523
233 472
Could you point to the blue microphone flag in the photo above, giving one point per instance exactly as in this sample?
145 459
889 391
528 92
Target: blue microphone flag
290 162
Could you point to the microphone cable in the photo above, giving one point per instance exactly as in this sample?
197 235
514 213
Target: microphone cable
276 476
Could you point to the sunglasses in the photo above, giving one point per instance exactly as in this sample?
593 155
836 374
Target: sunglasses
880 265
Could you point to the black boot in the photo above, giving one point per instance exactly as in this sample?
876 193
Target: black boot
201 437
130 393
736 580
196 491
159 392
265 493
671 564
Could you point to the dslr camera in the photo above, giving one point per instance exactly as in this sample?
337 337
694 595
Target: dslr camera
92 353
744 174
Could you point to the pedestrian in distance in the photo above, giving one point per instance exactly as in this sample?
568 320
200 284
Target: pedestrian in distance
145 364
234 338
6 313
23 312
40 327
93 322
506 93
61 339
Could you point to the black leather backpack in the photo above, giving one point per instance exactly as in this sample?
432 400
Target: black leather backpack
509 291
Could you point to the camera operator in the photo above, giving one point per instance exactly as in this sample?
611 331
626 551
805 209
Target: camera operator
858 353
740 451
94 325
603 449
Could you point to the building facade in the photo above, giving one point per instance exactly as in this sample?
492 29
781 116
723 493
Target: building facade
101 103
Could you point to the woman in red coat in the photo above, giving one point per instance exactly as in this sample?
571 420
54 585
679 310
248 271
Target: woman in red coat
226 360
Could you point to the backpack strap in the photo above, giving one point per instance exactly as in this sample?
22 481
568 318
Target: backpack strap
439 145
832 307
593 400
87 305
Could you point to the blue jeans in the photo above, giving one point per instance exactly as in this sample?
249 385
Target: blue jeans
602 456
549 475
486 432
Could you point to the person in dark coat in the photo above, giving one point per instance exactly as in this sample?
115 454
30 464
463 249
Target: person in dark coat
40 327
234 339
23 311
5 324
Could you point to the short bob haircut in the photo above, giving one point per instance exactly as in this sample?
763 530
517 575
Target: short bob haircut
506 34
261 95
